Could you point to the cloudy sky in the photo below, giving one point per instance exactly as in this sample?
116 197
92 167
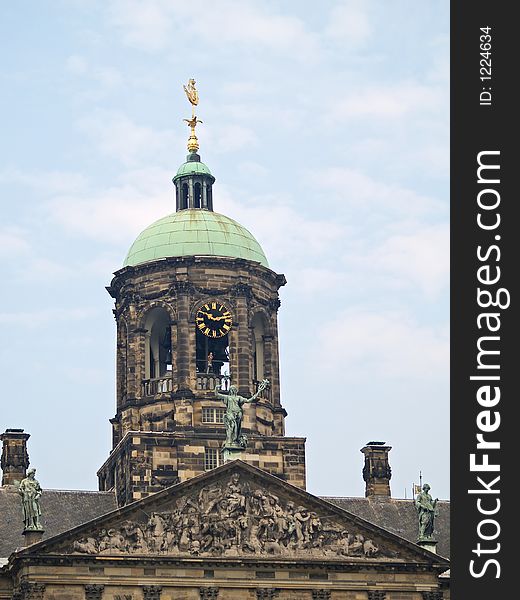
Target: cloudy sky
326 126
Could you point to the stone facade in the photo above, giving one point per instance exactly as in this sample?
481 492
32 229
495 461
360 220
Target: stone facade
233 533
159 434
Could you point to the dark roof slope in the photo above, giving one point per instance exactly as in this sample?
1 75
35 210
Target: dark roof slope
61 510
399 517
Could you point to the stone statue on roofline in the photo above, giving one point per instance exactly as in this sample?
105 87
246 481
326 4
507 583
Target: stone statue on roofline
427 511
31 492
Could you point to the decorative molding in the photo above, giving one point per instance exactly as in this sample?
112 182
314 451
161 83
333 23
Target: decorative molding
31 590
320 594
94 591
236 517
267 593
376 595
208 593
152 592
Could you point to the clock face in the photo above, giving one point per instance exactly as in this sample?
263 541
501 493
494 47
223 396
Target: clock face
213 320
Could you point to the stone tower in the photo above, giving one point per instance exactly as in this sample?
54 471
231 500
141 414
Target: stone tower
195 306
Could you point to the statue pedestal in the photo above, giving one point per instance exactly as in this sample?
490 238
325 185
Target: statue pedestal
233 453
32 536
430 545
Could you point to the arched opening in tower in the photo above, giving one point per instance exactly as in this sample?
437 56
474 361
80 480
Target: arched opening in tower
158 355
184 196
197 195
258 328
212 354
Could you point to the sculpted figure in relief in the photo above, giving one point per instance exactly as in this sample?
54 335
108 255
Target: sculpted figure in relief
231 519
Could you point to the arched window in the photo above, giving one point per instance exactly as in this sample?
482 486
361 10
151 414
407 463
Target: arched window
184 196
197 196
158 355
258 325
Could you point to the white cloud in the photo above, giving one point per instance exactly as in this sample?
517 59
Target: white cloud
349 22
360 343
120 138
44 181
157 24
388 101
228 138
287 235
420 258
13 243
358 190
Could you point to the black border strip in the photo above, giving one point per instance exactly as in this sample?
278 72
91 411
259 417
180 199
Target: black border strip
483 123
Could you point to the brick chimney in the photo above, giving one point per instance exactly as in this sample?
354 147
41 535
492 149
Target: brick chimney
377 471
15 458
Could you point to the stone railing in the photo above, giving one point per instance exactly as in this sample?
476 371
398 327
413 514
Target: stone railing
159 385
208 381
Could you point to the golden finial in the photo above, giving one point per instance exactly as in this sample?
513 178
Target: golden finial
193 97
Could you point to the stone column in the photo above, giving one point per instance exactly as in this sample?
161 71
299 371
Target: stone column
15 458
190 193
135 362
184 349
243 378
175 343
204 195
272 359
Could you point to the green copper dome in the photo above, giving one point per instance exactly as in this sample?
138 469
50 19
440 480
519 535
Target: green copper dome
194 232
192 168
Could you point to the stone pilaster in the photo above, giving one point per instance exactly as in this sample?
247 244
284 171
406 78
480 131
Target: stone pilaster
184 343
243 378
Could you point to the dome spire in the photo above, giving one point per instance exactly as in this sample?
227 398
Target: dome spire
193 97
193 181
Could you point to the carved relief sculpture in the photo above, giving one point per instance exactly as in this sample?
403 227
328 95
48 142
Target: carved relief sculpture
233 519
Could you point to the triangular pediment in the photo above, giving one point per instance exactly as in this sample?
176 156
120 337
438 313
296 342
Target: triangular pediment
235 511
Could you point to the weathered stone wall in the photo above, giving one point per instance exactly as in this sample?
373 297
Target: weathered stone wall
147 462
104 580
173 408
